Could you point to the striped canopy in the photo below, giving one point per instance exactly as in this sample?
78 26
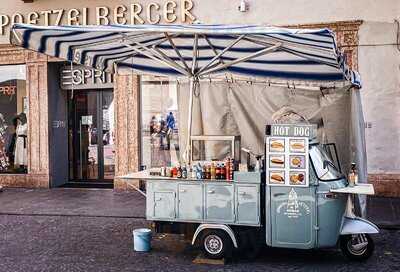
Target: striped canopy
296 56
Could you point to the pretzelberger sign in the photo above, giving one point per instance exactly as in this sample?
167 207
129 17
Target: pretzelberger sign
135 13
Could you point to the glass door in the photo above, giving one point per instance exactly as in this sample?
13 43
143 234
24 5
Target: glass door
91 136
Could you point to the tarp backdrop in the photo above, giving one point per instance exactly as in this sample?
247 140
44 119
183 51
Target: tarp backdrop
245 108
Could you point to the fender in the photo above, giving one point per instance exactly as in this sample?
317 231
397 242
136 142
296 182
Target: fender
225 228
357 225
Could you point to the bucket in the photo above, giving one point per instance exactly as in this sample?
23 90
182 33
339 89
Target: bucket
142 240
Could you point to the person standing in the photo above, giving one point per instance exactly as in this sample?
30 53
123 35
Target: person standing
170 128
20 154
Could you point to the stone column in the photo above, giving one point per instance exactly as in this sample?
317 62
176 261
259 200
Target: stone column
127 126
38 121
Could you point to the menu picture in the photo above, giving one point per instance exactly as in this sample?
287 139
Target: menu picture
297 161
277 161
287 163
277 177
297 177
277 145
297 145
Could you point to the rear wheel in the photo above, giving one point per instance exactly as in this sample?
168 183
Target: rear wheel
358 247
216 244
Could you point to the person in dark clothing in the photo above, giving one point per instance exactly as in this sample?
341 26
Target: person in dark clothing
170 128
10 146
153 123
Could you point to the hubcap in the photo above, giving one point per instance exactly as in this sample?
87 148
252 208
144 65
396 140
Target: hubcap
358 244
213 244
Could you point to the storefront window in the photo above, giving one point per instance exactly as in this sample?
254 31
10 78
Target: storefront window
13 119
159 113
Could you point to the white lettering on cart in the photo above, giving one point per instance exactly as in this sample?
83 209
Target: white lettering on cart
294 207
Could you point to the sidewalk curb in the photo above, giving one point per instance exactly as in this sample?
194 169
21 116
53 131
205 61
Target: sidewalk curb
71 215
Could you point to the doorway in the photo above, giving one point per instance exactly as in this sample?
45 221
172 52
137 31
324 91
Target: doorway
91 138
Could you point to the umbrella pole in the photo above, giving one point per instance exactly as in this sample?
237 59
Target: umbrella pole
193 82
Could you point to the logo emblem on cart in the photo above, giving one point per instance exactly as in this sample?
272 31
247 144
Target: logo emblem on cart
293 208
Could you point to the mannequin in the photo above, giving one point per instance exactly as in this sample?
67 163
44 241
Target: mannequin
20 154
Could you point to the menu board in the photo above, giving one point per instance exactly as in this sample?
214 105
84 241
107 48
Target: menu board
287 161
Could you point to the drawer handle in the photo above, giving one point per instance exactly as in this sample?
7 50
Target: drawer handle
243 193
331 196
182 191
158 199
211 191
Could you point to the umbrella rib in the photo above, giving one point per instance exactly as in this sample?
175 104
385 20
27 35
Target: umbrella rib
219 55
150 55
171 42
118 60
289 50
255 38
163 55
123 37
212 48
195 53
243 59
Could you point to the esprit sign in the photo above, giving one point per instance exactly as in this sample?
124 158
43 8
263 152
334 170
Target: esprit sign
135 13
8 90
81 77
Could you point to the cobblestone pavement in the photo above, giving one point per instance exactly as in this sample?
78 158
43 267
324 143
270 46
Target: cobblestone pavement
82 243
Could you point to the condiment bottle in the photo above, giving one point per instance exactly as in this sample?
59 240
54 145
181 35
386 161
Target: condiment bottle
194 170
199 172
203 172
168 172
174 172
212 171
179 172
217 172
227 169
231 169
184 172
353 176
208 172
223 171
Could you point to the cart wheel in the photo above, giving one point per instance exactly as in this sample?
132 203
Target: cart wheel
357 247
216 244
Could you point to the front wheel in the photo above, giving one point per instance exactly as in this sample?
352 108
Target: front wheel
217 244
358 247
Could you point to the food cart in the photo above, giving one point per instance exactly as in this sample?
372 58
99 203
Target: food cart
300 197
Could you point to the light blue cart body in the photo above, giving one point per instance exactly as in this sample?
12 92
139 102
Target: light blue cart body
292 217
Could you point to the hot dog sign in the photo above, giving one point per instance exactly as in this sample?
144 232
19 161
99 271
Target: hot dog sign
287 155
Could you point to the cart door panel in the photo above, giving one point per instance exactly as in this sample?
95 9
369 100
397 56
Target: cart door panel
219 203
293 217
248 204
190 201
164 205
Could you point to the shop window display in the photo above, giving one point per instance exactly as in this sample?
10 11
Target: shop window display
159 113
13 119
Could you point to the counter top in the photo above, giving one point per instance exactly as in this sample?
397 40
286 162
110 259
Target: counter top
145 175
361 189
239 177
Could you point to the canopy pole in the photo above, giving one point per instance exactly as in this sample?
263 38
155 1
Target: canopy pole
193 82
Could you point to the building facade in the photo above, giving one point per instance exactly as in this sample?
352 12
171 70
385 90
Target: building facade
86 127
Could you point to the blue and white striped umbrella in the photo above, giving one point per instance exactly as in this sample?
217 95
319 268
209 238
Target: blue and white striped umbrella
293 55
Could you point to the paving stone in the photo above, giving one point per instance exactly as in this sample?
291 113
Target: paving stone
70 243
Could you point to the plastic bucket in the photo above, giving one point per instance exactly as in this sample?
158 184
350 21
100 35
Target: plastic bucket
142 240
